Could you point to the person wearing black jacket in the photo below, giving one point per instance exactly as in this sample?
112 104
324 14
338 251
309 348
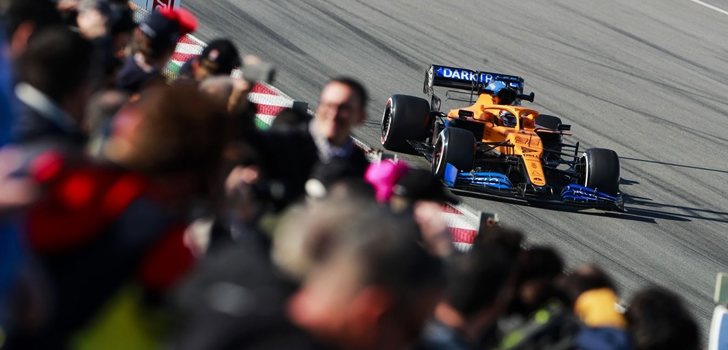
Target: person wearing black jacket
302 158
342 106
55 83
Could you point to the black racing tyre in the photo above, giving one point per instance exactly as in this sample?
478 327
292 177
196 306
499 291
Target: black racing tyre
437 128
405 118
455 146
550 141
599 169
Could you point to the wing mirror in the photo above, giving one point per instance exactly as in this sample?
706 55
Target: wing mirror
528 97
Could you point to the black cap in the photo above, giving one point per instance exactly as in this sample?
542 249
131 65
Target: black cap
220 56
162 30
421 184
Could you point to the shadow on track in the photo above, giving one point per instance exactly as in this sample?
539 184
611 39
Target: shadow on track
628 215
637 208
720 171
647 207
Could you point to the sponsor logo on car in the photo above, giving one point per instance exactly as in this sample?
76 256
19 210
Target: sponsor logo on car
464 74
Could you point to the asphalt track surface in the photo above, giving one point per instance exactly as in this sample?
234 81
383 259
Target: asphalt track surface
645 78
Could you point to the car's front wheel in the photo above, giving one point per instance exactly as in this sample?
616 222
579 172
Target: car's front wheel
599 169
455 146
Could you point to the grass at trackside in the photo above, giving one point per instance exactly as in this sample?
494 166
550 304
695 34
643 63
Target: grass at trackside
172 69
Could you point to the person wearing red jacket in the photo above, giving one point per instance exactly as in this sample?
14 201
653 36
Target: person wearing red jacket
99 228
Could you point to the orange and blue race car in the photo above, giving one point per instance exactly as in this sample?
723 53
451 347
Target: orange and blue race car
495 146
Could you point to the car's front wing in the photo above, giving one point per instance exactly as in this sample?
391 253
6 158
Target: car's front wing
497 184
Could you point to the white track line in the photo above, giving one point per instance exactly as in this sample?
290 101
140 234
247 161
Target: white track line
462 247
188 49
458 221
710 6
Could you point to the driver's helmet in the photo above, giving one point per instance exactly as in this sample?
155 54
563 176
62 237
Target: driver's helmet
505 94
507 118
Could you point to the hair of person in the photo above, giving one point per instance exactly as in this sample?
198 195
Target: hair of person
356 86
218 88
351 187
290 118
57 62
657 319
384 244
388 247
120 18
222 91
149 48
380 247
509 239
541 262
476 278
41 13
180 132
307 234
584 278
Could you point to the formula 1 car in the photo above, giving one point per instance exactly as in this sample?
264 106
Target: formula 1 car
495 146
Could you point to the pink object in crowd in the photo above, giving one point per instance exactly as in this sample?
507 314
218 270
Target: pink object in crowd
383 176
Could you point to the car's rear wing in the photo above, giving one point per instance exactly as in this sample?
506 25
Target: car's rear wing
466 79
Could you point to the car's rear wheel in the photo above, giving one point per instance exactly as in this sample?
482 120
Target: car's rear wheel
405 118
455 146
599 169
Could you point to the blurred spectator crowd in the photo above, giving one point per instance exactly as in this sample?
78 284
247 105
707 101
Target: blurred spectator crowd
139 211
